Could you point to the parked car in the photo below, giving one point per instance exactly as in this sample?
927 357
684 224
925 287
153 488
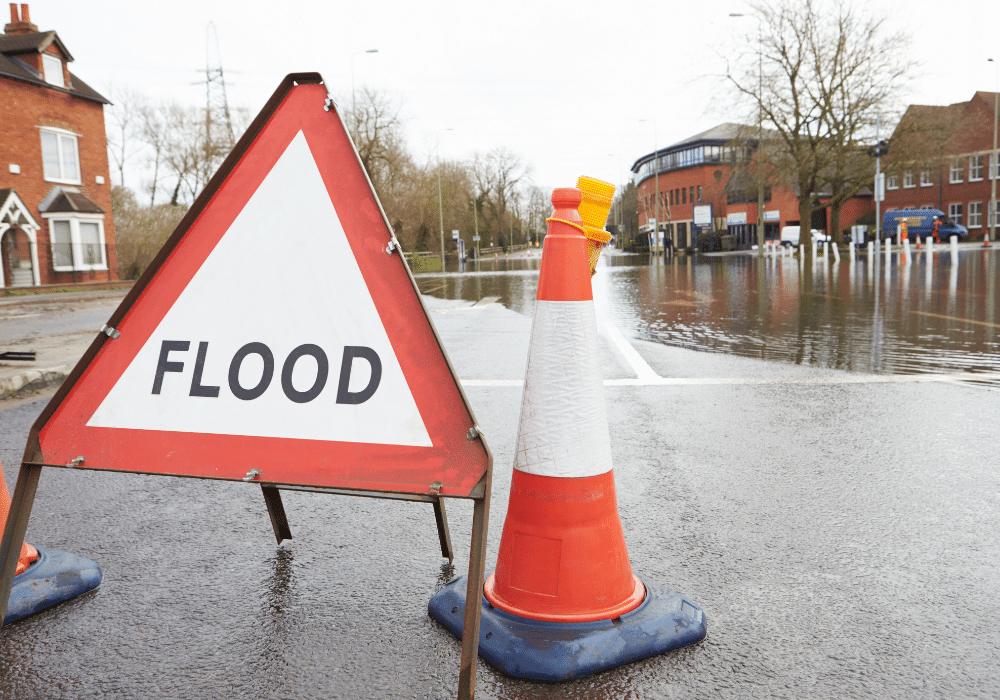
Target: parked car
790 236
920 222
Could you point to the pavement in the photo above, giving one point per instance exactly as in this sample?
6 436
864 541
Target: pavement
58 349
837 529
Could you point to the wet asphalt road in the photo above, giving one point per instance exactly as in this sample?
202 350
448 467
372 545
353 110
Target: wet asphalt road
840 536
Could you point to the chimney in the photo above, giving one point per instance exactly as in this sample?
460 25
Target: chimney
20 24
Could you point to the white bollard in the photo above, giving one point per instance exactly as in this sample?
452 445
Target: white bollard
836 253
930 246
888 250
814 250
850 248
906 251
826 249
871 249
802 252
954 249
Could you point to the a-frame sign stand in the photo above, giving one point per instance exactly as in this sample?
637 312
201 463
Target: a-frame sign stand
324 374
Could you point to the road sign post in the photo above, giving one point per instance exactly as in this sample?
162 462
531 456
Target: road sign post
330 378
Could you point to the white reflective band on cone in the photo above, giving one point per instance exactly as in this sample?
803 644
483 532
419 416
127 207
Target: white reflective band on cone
564 426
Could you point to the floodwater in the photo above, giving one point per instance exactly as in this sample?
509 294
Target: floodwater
936 313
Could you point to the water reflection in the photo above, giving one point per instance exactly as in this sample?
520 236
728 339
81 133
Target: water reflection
931 314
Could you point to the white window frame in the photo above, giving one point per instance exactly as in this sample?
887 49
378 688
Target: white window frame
926 178
975 217
955 212
892 182
62 138
993 214
994 165
976 167
76 242
52 69
955 172
908 182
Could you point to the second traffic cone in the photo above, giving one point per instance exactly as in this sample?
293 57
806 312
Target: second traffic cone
28 553
44 576
563 601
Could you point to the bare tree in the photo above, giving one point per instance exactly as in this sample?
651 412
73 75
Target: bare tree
828 70
122 126
377 131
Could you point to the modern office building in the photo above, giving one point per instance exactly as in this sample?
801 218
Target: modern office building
704 185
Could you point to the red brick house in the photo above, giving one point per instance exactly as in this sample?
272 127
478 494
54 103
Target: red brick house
941 157
55 189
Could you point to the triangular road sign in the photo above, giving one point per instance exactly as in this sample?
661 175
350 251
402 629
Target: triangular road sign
279 330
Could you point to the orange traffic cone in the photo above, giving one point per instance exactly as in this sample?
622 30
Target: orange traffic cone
563 601
28 553
986 240
563 555
918 242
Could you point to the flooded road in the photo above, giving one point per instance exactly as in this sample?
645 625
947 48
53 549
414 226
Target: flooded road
933 315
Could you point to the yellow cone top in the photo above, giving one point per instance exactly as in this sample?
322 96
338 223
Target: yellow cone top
596 201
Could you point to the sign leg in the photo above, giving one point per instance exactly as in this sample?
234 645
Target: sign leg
13 533
474 594
276 509
441 516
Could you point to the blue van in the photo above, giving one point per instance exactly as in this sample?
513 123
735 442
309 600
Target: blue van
920 222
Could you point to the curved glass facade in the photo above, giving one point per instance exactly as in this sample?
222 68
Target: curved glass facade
695 155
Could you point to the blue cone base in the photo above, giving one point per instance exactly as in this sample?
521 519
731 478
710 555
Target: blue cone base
54 577
558 651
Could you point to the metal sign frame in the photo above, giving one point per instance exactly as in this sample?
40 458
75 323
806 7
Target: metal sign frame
33 461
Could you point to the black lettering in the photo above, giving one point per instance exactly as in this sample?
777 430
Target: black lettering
322 371
265 378
199 366
163 365
349 397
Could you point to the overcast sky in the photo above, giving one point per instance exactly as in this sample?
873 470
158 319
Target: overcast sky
564 85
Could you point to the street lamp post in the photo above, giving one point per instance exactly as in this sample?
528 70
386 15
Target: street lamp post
656 177
440 201
618 204
996 157
760 130
354 102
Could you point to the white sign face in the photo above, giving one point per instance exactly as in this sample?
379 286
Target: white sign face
736 218
276 335
703 215
773 215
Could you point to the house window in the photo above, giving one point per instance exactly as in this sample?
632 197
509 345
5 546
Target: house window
955 171
908 179
975 215
994 166
926 179
995 221
975 169
892 182
955 213
684 195
699 193
60 157
78 243
53 67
